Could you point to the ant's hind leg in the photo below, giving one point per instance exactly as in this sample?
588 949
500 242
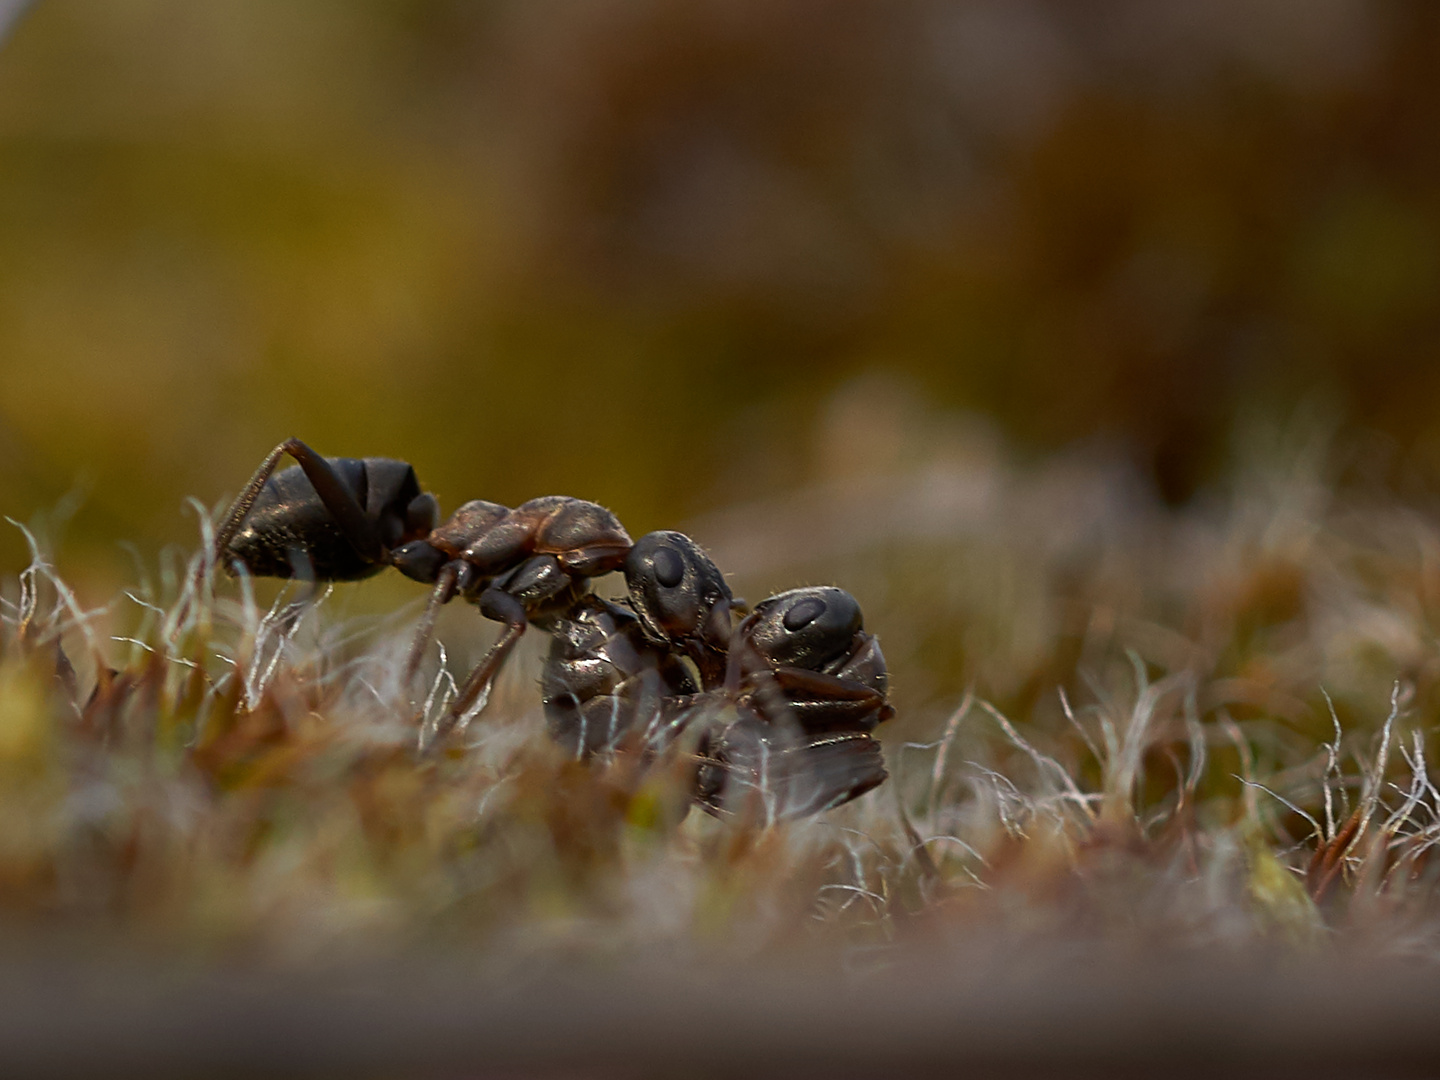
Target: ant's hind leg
337 498
288 617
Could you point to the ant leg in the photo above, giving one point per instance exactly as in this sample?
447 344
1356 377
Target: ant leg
235 516
822 702
502 607
830 687
290 614
444 590
337 498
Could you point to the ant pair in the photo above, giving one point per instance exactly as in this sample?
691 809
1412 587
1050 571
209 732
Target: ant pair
784 702
803 683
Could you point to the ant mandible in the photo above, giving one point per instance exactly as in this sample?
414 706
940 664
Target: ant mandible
345 519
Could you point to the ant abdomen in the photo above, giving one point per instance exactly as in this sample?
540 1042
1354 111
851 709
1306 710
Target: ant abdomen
290 532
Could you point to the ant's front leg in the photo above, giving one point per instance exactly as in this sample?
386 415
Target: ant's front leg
337 498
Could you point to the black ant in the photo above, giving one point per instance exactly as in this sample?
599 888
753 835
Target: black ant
345 519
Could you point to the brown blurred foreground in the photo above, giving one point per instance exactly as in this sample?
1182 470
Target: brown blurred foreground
1075 1013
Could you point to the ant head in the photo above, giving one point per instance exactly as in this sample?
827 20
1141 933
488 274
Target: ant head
677 591
805 628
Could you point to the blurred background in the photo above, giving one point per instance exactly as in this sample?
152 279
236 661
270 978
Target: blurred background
812 280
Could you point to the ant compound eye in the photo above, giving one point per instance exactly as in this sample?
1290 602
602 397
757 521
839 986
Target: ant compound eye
669 566
804 613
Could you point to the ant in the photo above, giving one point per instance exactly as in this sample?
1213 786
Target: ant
345 519
805 684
